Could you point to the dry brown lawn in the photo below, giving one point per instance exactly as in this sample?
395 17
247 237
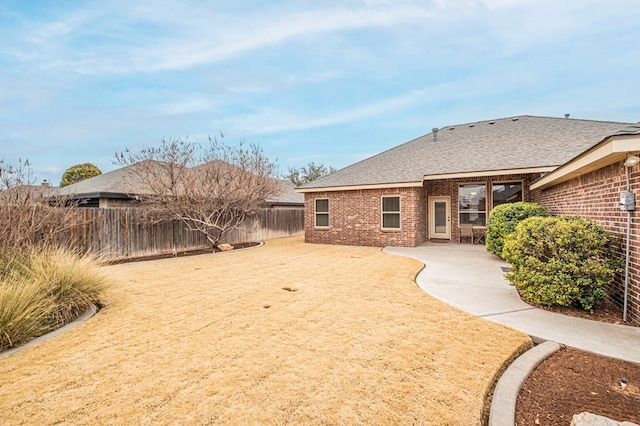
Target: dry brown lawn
288 333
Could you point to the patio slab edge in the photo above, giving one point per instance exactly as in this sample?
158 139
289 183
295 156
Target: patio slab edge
505 395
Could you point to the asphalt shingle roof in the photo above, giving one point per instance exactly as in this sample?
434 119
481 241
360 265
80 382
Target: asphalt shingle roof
633 129
504 144
121 182
288 194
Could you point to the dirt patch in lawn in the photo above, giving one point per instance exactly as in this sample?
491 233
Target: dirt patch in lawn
570 382
287 333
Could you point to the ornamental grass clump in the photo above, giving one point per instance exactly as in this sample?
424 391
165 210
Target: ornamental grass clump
23 312
503 220
42 290
565 261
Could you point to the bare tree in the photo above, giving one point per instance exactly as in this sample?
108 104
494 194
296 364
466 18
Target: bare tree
30 215
212 188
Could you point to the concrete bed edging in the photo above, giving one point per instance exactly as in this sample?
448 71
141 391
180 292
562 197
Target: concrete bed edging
505 395
88 313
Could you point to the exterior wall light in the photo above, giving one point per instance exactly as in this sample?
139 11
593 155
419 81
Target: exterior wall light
631 161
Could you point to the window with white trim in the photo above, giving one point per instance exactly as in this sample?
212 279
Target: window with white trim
391 213
322 212
472 204
506 192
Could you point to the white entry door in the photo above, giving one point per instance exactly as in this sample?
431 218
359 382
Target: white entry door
440 218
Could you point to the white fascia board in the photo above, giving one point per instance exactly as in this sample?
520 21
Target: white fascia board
467 175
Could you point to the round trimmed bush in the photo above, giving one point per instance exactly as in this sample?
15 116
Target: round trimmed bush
565 261
503 220
78 173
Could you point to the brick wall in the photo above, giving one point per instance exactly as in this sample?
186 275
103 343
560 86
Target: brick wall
444 187
596 196
355 218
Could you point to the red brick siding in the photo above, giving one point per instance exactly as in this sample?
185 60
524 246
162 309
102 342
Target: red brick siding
444 187
355 218
596 196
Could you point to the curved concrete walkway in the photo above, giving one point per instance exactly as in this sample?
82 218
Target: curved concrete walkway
469 278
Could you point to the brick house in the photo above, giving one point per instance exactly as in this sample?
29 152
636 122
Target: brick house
425 189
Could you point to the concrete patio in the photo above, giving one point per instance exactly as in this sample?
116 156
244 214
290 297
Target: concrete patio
470 278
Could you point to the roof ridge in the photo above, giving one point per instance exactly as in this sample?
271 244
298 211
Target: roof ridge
531 116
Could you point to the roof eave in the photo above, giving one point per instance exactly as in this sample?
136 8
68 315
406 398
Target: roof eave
112 195
285 203
464 175
612 149
361 187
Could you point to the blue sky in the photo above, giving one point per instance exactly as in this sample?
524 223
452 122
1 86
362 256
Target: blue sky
331 82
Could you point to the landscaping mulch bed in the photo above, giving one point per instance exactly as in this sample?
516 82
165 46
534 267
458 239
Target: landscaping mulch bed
570 382
181 253
604 312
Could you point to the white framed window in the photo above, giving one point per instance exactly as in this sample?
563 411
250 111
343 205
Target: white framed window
391 212
472 204
506 192
322 212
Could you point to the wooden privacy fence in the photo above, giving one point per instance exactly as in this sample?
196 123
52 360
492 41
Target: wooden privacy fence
117 233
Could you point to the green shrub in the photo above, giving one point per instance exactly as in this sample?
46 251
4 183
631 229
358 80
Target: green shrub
503 220
43 290
78 173
566 261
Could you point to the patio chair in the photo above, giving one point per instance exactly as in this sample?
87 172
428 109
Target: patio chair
466 231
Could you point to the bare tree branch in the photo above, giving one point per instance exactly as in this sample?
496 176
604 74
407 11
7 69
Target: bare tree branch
31 215
212 188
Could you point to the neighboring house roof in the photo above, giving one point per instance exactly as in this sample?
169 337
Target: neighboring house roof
487 147
289 196
122 183
114 184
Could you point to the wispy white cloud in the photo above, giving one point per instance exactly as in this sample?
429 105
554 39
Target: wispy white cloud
84 78
195 35
270 120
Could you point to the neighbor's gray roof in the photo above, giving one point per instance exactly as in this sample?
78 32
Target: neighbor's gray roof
504 144
122 182
288 194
